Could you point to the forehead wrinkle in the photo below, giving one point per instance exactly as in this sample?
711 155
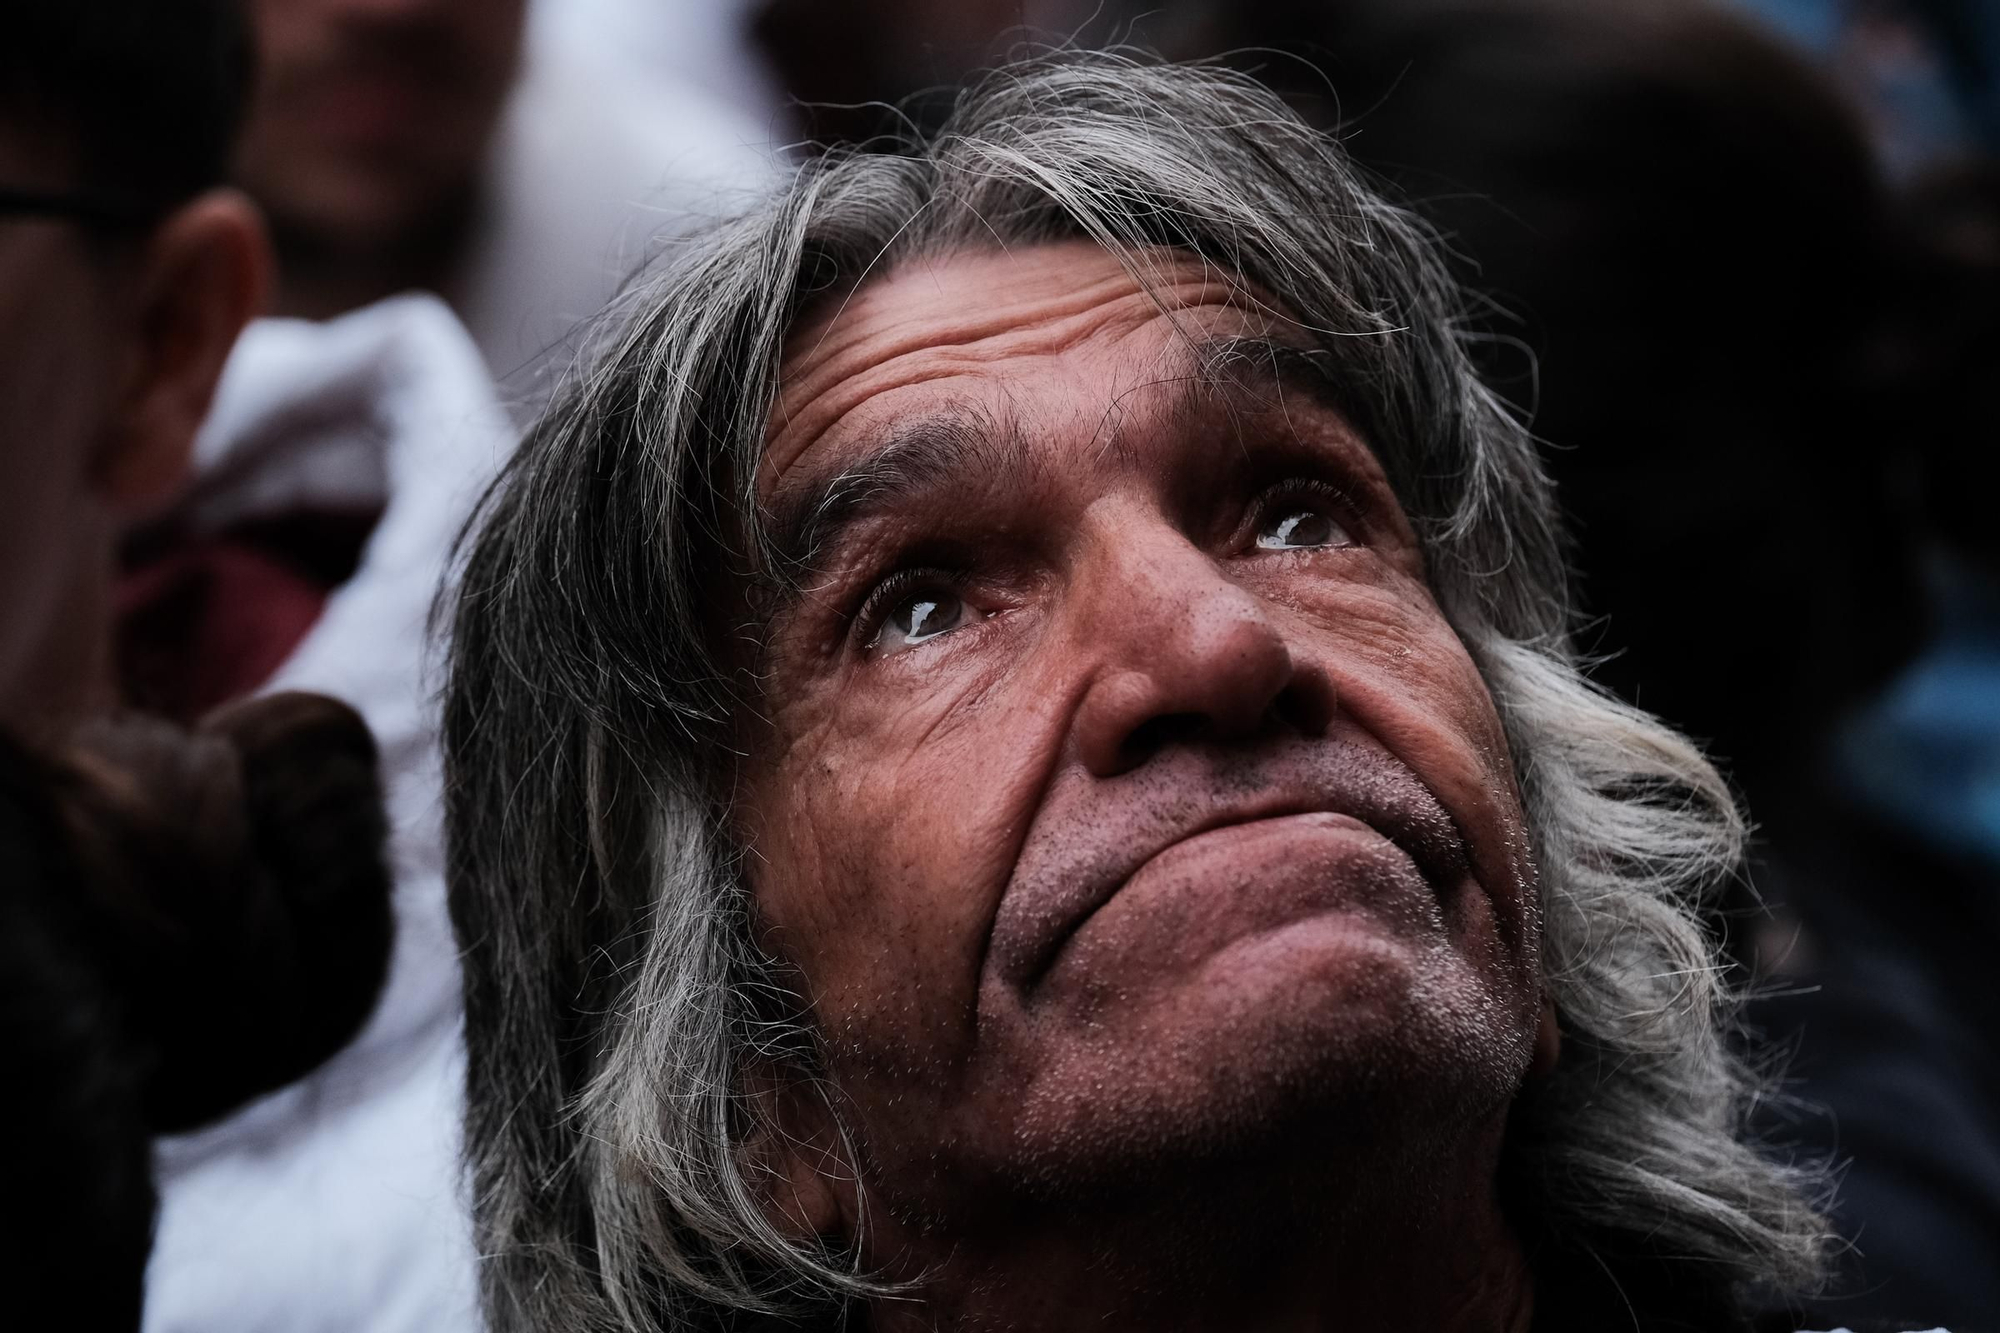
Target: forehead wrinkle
1231 374
839 363
840 373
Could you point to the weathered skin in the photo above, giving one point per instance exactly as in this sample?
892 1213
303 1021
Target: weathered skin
1173 875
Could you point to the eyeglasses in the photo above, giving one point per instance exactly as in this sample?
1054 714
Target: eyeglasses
94 209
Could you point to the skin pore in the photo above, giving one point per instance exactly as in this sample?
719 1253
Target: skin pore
1142 836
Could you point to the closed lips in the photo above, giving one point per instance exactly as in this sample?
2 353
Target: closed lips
1076 861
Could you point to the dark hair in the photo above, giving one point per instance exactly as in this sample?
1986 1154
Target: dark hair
146 94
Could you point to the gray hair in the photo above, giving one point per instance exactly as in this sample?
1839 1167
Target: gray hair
615 997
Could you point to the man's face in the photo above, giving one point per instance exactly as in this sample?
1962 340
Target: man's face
372 115
1121 796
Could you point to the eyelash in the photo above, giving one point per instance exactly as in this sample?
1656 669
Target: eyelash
885 596
1338 505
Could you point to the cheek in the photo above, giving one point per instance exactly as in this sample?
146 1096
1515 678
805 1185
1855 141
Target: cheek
56 382
882 841
1401 673
58 352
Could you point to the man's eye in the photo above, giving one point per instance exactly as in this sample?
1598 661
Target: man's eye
908 616
925 616
1294 527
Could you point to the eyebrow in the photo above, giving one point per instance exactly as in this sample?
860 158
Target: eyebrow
957 444
964 443
1256 366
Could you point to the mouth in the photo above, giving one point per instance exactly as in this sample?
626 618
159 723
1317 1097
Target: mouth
383 81
1066 875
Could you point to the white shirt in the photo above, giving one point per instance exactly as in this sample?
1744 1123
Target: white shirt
336 1204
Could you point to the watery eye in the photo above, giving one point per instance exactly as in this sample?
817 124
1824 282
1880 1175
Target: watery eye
923 616
1298 529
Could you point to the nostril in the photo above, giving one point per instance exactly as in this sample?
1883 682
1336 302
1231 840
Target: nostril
1294 715
1306 704
1157 733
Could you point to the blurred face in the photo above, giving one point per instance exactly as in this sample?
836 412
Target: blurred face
61 361
372 116
1122 798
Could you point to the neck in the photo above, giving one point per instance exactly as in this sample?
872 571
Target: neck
1274 1253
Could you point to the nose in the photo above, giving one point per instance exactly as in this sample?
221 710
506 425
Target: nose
1184 655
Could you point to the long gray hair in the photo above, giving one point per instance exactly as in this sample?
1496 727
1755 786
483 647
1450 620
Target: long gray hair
615 998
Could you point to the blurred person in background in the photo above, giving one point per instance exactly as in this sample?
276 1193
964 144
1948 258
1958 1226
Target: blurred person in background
1899 907
338 462
417 145
126 273
397 145
191 916
1905 906
330 466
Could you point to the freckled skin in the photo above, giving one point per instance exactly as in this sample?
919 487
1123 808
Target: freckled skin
1176 858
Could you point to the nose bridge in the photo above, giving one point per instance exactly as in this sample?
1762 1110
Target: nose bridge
1148 589
1177 649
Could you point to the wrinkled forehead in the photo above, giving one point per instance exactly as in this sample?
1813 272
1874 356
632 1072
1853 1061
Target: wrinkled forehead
943 326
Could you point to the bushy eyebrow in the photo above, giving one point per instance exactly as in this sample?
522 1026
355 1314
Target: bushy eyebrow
1264 372
965 445
953 446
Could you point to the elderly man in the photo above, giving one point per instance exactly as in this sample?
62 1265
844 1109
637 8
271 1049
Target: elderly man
1015 763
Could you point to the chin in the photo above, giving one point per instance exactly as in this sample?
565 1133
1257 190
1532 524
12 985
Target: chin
1328 1034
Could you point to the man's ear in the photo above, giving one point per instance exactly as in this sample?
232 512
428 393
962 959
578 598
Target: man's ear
204 274
800 1163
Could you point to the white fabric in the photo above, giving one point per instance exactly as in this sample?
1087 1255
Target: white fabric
592 173
705 44
336 1204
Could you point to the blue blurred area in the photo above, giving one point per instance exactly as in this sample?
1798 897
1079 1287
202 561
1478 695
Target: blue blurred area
1926 753
1926 73
1813 24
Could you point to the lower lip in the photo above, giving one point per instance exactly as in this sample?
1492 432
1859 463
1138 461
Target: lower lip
1205 892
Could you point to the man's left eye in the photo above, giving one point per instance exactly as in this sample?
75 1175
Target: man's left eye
1296 527
911 608
924 616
